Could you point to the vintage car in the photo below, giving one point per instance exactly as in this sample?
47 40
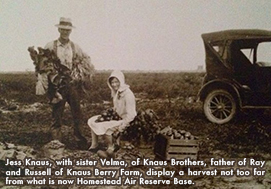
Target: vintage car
238 73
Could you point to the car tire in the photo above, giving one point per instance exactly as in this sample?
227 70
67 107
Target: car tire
219 106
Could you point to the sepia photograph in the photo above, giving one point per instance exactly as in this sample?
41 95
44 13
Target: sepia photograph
135 94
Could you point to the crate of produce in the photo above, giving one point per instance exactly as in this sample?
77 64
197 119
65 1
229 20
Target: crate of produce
166 147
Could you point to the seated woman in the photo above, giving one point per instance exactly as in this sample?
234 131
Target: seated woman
124 105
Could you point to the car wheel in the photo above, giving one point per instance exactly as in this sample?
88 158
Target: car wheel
219 106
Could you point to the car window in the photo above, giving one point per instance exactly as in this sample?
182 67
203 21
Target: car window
248 53
264 54
218 49
221 51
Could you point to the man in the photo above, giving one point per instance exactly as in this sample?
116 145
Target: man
68 52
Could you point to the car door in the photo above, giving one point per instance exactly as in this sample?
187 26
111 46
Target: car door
262 72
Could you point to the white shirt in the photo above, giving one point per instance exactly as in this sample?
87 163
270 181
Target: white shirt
64 52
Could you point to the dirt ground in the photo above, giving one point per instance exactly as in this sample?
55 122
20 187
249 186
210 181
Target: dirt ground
24 134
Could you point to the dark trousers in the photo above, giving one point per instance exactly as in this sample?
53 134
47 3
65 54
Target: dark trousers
71 96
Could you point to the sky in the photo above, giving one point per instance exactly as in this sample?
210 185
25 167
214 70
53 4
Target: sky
125 34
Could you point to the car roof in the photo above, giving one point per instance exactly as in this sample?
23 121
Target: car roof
236 34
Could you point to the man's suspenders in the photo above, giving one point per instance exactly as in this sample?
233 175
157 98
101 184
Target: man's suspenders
72 45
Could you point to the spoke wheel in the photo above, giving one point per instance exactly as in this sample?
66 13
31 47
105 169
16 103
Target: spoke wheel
219 106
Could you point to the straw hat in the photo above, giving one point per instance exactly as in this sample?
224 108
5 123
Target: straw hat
65 23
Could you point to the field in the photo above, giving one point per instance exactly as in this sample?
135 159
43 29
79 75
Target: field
25 118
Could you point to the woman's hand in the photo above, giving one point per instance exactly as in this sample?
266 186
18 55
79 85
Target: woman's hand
121 128
118 130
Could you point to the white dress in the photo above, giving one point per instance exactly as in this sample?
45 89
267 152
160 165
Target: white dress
124 105
101 128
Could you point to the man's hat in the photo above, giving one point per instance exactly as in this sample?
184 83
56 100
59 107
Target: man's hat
65 23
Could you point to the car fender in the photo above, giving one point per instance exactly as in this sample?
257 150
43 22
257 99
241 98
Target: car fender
229 85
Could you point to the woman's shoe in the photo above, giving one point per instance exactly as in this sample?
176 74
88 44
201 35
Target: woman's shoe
94 150
102 154
110 153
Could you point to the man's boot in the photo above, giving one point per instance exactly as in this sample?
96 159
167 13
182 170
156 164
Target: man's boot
80 140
